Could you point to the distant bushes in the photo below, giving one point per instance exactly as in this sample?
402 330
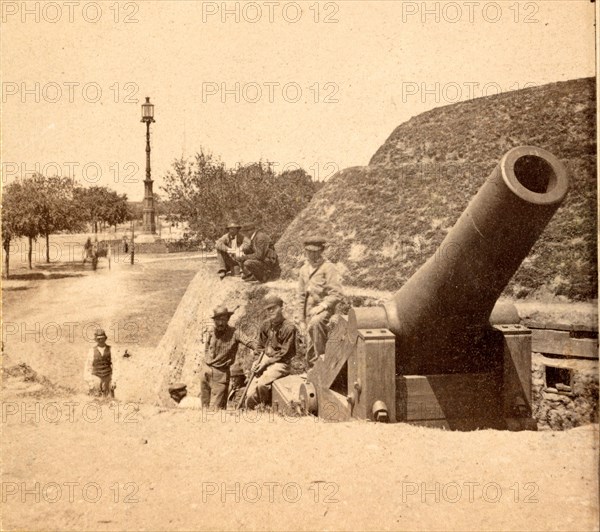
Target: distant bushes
204 193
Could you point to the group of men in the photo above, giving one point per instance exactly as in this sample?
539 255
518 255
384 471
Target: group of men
319 291
275 345
250 253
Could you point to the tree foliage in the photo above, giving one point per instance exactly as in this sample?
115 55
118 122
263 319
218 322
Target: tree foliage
206 194
40 206
101 205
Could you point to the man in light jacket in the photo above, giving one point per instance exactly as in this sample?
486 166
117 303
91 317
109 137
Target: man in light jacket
319 291
229 250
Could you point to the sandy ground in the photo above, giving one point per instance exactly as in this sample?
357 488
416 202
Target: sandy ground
74 464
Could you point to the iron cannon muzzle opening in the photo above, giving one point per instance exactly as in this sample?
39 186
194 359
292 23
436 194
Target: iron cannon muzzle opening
534 175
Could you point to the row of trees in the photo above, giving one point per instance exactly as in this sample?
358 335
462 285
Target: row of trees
40 206
206 194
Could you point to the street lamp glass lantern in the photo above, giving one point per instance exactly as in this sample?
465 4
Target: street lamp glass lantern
147 110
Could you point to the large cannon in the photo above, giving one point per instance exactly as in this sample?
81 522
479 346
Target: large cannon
442 352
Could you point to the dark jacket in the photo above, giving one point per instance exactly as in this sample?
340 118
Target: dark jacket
261 248
278 341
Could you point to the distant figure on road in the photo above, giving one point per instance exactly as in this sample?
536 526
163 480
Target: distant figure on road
125 244
259 261
101 370
219 355
87 250
319 291
229 250
277 340
95 254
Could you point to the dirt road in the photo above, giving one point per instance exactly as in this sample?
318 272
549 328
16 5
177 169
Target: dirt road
72 464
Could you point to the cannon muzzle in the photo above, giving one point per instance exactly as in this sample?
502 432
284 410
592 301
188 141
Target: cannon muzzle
440 315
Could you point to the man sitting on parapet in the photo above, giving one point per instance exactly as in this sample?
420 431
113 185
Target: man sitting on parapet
319 291
101 369
277 345
259 261
229 250
220 351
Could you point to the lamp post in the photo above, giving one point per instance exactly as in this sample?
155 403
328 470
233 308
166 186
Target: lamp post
149 226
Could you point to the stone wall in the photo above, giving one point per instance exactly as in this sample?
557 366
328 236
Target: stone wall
562 405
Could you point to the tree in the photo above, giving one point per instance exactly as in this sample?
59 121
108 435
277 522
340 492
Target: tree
58 212
21 215
102 205
10 220
204 193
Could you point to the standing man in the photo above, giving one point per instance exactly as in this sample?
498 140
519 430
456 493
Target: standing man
220 350
277 340
229 250
259 261
100 372
319 291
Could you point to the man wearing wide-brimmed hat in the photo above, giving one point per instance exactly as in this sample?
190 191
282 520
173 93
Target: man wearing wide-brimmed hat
259 261
229 250
220 351
101 370
319 291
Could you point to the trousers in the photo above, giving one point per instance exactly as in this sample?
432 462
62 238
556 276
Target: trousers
316 330
101 386
263 271
259 391
225 261
214 384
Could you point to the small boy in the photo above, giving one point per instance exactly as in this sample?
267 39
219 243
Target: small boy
100 371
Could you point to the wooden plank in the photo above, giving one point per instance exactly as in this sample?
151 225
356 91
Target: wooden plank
374 368
332 406
337 351
516 362
450 396
554 342
416 400
469 424
548 341
583 347
286 390
561 326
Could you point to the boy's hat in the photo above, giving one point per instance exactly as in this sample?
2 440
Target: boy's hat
100 334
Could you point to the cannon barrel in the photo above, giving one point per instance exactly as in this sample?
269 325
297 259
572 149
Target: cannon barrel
444 309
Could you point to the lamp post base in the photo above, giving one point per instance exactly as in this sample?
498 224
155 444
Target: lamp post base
145 238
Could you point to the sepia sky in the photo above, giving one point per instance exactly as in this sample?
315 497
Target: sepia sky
321 87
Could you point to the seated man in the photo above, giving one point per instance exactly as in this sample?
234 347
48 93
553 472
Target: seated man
319 291
219 355
277 342
101 370
259 261
229 250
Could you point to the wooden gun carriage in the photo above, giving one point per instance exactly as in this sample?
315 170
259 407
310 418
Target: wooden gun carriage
442 352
